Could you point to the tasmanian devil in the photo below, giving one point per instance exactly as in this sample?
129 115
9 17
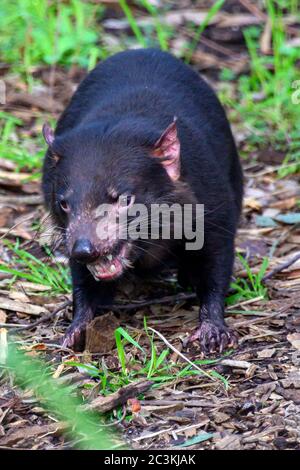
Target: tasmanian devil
143 128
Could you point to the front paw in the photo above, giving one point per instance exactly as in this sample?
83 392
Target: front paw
75 336
214 337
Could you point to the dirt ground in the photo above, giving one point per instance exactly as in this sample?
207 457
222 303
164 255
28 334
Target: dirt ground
260 408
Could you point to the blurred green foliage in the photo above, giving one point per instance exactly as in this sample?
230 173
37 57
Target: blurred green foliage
83 427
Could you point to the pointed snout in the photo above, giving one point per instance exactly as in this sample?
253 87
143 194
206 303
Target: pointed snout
84 251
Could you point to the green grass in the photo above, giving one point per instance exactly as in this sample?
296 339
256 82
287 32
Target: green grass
35 32
157 34
250 288
264 101
136 362
26 266
200 29
163 32
23 151
160 34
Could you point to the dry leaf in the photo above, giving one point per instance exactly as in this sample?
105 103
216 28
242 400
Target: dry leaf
39 347
190 432
285 204
252 203
294 339
134 404
19 296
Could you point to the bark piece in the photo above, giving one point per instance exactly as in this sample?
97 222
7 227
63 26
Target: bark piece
100 334
103 404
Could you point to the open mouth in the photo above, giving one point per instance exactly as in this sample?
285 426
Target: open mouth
110 266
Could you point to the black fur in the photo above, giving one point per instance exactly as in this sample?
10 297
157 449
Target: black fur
104 139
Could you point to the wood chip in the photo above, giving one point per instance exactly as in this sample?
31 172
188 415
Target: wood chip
32 432
21 200
237 364
10 176
229 442
266 353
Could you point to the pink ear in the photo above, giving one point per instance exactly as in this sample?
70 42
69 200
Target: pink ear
168 149
48 134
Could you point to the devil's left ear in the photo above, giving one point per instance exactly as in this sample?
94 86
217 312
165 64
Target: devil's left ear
48 134
167 148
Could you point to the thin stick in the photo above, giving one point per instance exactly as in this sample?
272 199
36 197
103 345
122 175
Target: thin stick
263 319
178 430
281 267
164 300
43 318
12 325
186 359
253 9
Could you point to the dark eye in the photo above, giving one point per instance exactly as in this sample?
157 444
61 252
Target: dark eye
113 198
127 200
64 205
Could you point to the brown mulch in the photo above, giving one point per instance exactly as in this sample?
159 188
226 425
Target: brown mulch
260 409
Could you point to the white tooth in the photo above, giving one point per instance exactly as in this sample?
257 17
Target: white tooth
112 268
93 271
109 257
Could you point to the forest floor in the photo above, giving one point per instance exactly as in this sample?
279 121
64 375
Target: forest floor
249 398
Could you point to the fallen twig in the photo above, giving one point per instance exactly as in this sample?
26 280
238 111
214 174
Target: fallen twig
163 300
103 404
16 306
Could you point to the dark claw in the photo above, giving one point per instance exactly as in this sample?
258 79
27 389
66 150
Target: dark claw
212 345
233 340
75 336
214 337
224 342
